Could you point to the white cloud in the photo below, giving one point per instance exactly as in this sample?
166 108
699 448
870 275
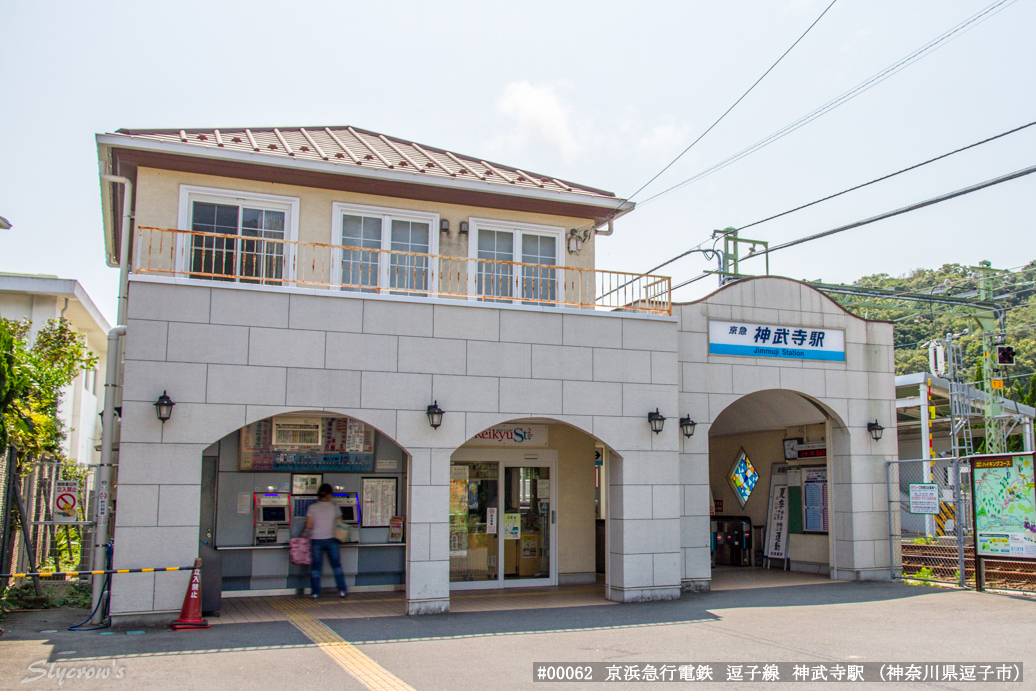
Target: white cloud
667 138
541 120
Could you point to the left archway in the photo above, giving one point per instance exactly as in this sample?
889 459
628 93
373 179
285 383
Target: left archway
257 482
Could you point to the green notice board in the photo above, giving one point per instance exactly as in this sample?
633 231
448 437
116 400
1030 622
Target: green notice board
794 509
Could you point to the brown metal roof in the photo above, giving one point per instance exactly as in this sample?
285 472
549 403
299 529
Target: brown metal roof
352 146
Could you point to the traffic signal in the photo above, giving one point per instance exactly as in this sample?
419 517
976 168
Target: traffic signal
1004 355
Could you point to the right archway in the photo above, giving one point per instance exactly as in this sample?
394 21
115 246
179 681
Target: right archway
780 486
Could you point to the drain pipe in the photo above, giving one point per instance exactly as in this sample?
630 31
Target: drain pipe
103 474
112 380
126 237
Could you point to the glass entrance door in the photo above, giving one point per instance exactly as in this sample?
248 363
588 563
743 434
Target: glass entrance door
474 522
527 522
502 523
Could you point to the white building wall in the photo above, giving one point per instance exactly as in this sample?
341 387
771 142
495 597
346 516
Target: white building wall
856 392
232 355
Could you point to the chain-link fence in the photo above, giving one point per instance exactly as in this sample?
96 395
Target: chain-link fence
931 532
930 522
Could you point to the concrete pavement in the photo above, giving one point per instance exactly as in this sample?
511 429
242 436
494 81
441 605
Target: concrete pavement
797 620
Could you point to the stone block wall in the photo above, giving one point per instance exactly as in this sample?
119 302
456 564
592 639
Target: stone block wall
229 355
853 393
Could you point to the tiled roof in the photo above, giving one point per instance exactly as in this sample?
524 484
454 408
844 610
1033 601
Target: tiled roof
352 146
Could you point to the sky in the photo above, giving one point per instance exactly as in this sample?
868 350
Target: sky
601 93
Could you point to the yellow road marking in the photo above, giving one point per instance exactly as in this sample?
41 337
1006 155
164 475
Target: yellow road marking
364 669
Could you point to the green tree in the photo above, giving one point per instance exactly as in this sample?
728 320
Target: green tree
33 375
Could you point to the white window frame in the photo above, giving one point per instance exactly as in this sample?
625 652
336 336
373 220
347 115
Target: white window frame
476 224
387 215
215 195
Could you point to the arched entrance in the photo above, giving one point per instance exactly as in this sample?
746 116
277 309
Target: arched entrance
258 481
528 506
774 461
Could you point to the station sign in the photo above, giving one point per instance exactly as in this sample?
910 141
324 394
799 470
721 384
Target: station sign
749 339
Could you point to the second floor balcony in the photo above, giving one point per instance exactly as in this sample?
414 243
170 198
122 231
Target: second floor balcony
252 258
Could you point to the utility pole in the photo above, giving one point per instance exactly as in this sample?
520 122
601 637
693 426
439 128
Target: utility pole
730 258
991 327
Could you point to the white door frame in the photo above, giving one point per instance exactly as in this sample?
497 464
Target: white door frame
532 458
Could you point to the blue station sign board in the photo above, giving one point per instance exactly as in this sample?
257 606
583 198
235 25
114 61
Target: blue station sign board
775 341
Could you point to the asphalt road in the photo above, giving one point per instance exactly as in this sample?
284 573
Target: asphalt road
818 624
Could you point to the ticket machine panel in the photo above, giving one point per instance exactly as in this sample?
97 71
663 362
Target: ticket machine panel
349 506
272 518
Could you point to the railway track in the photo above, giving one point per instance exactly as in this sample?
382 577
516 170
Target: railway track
939 562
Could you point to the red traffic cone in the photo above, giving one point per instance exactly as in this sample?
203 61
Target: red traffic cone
190 613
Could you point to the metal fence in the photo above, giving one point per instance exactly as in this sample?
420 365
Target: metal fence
362 269
939 548
929 547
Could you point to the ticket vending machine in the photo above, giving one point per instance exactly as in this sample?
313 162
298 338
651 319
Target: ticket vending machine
348 505
272 518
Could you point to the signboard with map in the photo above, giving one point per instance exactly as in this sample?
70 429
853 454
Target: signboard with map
1005 506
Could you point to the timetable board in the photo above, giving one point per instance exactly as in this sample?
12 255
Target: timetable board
814 500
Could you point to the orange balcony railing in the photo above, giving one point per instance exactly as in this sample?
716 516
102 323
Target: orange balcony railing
273 261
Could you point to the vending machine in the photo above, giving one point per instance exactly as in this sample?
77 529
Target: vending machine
272 519
348 505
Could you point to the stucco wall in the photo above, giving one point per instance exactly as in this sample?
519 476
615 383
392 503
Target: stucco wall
158 196
230 355
853 393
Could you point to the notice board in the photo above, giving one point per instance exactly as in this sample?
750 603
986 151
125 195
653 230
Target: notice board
379 501
814 500
1004 498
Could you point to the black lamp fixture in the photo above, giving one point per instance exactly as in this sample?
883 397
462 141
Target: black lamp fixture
656 420
444 225
464 227
435 414
875 429
687 426
164 407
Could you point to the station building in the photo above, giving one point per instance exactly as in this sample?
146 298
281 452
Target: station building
428 332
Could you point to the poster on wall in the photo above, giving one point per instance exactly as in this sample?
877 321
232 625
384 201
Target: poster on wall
379 501
814 500
512 526
1004 494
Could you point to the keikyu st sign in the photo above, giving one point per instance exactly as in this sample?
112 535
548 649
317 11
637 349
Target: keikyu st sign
512 435
747 339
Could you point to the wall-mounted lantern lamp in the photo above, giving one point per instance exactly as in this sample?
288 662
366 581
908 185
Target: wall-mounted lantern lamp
435 414
164 407
444 225
464 227
687 426
875 429
575 241
656 420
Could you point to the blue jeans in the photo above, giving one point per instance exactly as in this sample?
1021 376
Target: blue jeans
318 547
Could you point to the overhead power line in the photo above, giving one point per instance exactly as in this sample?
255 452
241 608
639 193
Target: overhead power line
906 209
727 111
863 86
888 214
852 189
890 175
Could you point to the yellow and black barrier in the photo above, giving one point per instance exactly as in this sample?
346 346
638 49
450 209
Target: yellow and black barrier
44 574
